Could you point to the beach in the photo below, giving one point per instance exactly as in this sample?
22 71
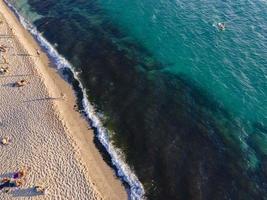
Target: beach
46 134
154 94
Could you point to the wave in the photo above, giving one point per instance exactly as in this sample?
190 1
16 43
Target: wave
124 172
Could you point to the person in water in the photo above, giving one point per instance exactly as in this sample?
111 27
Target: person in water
221 26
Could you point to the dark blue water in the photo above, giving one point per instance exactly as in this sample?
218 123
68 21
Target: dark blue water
186 101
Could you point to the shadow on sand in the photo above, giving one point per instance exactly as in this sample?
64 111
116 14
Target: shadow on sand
24 192
18 75
44 99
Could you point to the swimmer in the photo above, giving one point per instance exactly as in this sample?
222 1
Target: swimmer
221 26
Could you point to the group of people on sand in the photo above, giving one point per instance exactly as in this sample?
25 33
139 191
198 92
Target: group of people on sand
18 179
4 69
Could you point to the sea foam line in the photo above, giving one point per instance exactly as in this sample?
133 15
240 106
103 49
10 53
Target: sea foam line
123 170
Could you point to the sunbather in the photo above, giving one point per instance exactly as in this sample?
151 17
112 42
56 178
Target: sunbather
20 83
20 174
2 49
3 70
5 60
5 140
40 189
10 183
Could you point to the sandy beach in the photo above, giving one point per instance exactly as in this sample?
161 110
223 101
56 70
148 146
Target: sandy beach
46 135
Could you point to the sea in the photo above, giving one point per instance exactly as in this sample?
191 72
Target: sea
179 106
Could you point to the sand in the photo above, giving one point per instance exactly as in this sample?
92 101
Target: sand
47 135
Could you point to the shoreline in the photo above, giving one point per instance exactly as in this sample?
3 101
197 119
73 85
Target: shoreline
76 127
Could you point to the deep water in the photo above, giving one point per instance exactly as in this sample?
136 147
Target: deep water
187 102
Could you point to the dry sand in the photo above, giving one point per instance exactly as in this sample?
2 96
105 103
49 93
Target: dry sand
47 134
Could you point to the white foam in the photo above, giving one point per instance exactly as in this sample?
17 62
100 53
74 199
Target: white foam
123 170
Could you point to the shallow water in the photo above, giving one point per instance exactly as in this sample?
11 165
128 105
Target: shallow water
186 101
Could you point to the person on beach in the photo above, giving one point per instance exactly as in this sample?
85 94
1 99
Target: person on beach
39 189
63 96
20 83
38 52
9 183
5 60
3 70
5 182
5 140
20 174
2 48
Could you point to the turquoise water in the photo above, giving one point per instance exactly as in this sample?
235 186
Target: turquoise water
230 65
186 101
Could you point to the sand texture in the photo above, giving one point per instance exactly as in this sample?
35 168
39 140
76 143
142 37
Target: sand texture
47 135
